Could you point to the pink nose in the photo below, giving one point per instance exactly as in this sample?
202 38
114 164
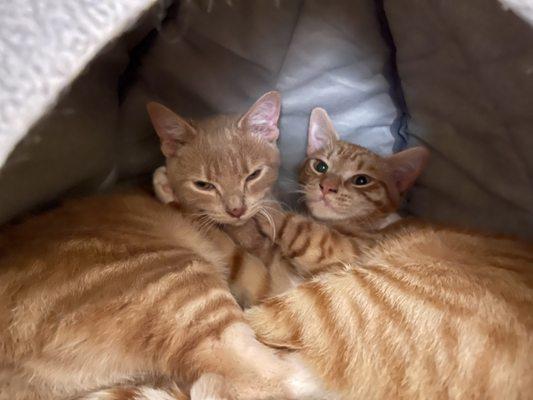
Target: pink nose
237 212
328 186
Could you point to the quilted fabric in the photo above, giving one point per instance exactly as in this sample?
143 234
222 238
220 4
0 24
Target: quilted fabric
467 73
329 54
44 45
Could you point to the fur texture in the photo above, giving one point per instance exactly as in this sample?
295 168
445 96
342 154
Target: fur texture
411 311
109 292
426 313
361 210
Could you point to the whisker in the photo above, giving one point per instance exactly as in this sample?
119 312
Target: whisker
270 220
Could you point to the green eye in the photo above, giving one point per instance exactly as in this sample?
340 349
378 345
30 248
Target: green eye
321 166
204 185
361 180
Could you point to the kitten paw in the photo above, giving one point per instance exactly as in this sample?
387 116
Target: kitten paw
162 188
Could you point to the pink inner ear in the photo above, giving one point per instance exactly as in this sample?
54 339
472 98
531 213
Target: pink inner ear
407 166
170 128
270 133
169 146
316 142
321 131
265 113
262 118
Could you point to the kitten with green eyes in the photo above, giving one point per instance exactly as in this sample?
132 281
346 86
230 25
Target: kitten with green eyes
352 192
349 186
346 186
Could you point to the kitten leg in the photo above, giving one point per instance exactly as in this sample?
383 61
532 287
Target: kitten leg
248 277
162 188
313 247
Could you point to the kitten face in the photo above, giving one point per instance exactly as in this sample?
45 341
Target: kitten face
344 181
222 168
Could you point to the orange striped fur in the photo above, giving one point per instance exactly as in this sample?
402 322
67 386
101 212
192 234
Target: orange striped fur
361 212
427 313
412 311
107 292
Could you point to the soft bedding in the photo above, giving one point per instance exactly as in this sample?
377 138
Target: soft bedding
329 54
464 79
60 61
466 70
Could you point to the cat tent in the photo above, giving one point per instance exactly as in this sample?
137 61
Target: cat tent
456 76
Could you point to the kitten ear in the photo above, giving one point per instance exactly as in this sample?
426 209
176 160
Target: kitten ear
321 131
407 166
171 128
262 118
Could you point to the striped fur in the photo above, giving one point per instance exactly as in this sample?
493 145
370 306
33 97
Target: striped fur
314 248
427 313
115 289
329 178
281 272
107 291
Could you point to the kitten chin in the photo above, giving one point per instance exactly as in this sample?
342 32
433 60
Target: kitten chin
323 212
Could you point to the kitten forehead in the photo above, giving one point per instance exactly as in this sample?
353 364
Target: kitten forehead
348 158
223 151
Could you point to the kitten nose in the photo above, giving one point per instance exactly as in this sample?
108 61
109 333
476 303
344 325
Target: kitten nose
237 212
328 186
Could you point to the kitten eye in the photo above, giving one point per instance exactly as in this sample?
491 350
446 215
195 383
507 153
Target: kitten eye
361 180
321 166
253 175
204 185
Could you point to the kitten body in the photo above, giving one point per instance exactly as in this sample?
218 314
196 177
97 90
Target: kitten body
423 312
104 292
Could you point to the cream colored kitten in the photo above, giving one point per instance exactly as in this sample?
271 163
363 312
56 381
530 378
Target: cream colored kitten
105 293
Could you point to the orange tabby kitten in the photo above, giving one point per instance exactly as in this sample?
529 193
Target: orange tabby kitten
425 313
348 188
226 188
227 184
108 291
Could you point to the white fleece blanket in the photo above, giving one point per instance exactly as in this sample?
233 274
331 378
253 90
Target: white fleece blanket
44 45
